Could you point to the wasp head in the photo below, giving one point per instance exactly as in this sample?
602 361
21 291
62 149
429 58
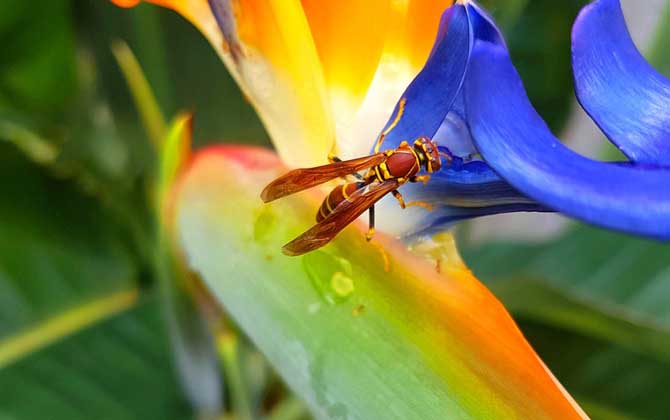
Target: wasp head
429 154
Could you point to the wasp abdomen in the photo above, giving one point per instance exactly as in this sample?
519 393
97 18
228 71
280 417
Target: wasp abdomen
336 196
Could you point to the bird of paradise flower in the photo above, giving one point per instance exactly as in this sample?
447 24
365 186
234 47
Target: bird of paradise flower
321 77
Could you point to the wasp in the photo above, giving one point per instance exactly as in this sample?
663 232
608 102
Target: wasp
386 172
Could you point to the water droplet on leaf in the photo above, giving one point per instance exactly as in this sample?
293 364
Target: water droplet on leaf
330 276
342 284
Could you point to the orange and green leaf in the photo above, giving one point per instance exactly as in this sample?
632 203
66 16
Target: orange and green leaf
347 336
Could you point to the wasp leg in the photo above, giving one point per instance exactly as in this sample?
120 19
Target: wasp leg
398 197
371 224
396 120
385 256
380 140
418 203
358 176
426 205
420 178
368 237
334 159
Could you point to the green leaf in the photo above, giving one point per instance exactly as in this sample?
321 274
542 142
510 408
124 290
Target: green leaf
73 341
190 324
506 12
595 282
611 382
36 76
145 101
31 144
350 339
119 370
539 41
58 250
659 51
175 150
602 299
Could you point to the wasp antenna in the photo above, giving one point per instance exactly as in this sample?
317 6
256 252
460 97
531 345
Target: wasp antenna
446 153
447 156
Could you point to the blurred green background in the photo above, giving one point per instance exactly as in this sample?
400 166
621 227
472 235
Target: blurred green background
91 327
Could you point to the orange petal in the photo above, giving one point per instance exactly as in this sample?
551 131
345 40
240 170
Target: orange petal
412 29
281 73
271 55
126 3
349 37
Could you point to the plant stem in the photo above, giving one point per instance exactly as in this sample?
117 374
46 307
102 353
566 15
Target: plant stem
239 391
290 408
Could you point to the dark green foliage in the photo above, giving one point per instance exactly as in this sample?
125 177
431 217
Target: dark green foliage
598 308
538 35
118 369
76 222
58 248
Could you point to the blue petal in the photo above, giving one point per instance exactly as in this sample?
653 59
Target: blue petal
438 87
484 27
434 107
443 217
463 191
518 145
431 94
471 184
624 95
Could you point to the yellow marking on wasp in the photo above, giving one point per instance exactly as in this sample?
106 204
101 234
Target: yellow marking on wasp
330 209
379 176
385 169
425 156
417 158
422 178
321 212
430 159
417 161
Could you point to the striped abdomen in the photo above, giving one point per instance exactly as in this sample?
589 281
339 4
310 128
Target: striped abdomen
336 196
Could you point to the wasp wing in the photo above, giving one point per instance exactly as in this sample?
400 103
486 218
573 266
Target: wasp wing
345 213
302 179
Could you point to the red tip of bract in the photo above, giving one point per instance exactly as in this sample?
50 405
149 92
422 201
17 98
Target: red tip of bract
249 157
126 3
